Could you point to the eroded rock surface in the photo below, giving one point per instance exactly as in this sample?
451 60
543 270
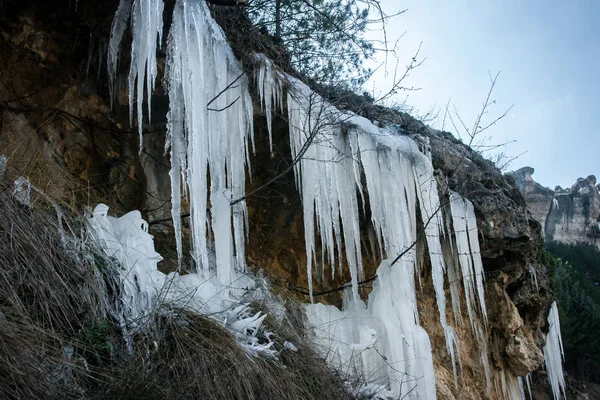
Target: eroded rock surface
574 214
538 198
566 215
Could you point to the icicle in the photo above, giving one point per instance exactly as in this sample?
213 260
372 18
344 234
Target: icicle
483 352
90 54
533 274
528 381
510 385
432 219
147 26
325 176
453 272
3 164
521 387
467 247
175 143
476 256
146 29
270 90
209 124
554 354
117 29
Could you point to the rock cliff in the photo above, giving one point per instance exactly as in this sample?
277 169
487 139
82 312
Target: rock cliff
568 215
57 127
538 198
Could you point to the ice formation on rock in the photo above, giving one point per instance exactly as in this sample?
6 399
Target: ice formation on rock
335 151
209 124
533 275
481 338
511 389
146 30
343 164
127 241
270 90
209 121
326 175
381 345
521 387
144 290
469 257
554 354
22 191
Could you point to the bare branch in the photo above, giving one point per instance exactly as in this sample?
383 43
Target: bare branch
224 90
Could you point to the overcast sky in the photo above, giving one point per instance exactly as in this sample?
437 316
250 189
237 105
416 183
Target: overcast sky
548 53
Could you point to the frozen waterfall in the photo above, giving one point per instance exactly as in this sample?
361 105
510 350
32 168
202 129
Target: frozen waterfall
344 165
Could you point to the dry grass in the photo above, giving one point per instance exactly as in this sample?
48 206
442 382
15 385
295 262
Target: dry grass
193 357
46 297
39 280
57 340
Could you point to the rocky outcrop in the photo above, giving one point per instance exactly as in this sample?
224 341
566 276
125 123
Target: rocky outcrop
566 215
574 214
57 128
538 198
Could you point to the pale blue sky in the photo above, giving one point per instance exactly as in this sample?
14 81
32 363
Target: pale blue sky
549 56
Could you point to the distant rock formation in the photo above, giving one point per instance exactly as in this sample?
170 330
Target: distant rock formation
566 215
538 197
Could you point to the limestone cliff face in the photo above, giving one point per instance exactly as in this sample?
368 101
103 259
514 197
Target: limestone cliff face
538 198
566 215
574 213
57 128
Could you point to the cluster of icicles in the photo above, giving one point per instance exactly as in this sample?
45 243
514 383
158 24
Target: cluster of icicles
346 165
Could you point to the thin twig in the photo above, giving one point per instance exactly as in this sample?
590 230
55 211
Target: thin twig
224 90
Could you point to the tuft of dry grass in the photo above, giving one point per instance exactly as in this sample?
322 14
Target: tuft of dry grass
46 297
194 357
40 281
